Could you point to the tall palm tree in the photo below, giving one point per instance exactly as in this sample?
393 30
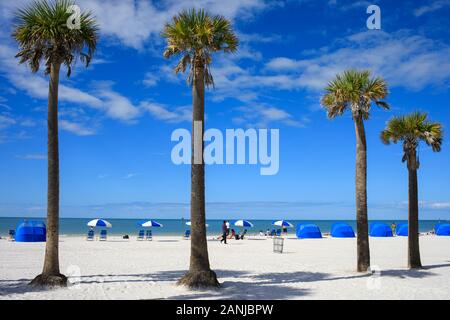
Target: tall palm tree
411 129
356 91
194 36
43 34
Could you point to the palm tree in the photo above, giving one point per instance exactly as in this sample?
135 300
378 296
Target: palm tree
43 34
194 36
356 91
411 129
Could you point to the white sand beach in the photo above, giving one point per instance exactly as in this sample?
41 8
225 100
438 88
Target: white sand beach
248 269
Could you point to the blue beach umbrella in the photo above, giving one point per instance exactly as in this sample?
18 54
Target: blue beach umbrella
402 229
379 229
150 223
342 230
308 231
283 223
31 231
443 229
243 223
99 223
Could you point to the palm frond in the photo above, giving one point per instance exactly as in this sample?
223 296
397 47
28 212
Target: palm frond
354 90
197 34
411 129
42 34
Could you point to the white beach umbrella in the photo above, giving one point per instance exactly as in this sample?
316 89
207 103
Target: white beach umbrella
283 223
99 223
243 223
151 223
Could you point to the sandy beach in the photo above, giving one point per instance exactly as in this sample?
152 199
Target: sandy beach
248 269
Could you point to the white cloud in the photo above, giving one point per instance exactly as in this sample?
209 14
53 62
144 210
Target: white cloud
35 85
405 60
283 64
262 116
151 79
356 5
28 123
133 22
162 112
6 121
260 38
115 105
76 128
433 6
436 205
34 156
102 97
130 175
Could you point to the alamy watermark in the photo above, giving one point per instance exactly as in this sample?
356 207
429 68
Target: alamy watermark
262 146
74 21
374 20
374 281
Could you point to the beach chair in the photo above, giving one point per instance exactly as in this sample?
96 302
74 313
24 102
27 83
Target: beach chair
103 235
148 235
11 235
141 235
187 234
273 233
278 232
90 235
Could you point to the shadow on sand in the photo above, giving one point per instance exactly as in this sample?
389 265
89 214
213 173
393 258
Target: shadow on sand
244 285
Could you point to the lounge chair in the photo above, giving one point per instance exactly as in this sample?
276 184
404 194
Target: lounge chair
278 232
90 235
148 235
103 235
187 234
273 233
12 235
141 235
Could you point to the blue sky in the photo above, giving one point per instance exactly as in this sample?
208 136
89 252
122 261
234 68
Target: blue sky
117 116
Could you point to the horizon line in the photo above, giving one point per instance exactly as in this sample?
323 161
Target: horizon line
176 219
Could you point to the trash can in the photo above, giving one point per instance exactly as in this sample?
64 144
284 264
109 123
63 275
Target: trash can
278 244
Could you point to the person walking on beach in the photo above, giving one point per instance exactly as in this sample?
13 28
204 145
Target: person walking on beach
393 227
224 232
228 227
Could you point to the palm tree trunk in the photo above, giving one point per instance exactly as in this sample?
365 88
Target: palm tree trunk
199 274
50 273
413 214
363 253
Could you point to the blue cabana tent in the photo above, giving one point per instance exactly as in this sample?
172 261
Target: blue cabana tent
379 229
342 230
308 231
402 229
443 229
31 231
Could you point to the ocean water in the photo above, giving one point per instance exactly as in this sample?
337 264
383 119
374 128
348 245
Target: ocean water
77 226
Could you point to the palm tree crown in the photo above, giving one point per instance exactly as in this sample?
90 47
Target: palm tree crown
194 35
42 33
411 129
354 90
